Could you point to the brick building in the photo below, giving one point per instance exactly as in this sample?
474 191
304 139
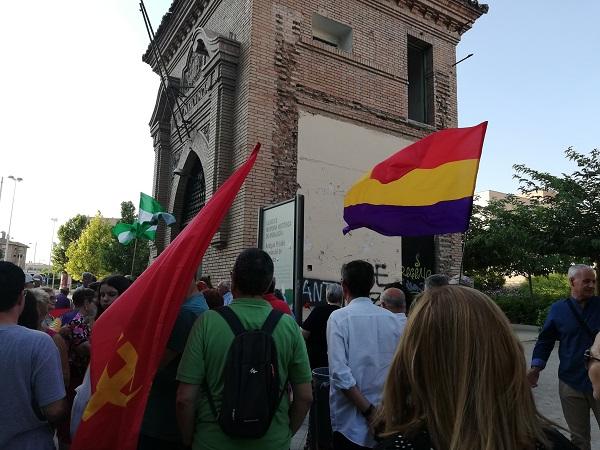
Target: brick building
329 87
17 252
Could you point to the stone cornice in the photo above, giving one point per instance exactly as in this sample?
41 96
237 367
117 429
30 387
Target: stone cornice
175 27
456 15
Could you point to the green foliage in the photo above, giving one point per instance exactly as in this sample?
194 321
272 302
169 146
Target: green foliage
89 253
487 280
558 224
519 307
554 285
67 233
128 214
509 237
573 208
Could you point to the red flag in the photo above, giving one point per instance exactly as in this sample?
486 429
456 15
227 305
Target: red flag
129 339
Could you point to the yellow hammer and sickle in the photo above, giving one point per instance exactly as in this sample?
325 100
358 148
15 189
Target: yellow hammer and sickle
108 389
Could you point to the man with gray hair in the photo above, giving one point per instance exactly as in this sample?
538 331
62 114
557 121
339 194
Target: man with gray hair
314 327
436 280
574 322
394 300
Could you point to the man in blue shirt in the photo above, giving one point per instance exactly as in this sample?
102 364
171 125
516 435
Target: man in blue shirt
159 430
574 322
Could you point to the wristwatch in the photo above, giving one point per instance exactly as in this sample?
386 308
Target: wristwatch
367 412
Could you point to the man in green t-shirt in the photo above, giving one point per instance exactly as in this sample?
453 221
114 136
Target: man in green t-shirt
206 352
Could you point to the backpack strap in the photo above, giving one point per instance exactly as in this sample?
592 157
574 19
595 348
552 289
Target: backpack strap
237 328
232 320
580 319
271 321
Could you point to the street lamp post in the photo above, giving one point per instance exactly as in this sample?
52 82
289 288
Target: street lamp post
53 219
16 180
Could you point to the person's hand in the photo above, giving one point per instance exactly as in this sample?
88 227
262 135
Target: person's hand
533 375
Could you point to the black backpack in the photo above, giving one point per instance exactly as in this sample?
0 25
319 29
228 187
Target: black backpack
251 392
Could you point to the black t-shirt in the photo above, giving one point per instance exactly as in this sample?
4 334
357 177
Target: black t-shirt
422 442
316 323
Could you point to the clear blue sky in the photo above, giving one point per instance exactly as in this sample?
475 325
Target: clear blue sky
534 76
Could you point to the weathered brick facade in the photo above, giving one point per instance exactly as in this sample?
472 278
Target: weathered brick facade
261 66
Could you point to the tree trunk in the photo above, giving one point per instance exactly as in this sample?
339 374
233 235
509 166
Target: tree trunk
530 281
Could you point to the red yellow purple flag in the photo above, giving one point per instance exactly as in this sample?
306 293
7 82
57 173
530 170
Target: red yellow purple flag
424 189
129 338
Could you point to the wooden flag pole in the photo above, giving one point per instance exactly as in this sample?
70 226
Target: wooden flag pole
135 248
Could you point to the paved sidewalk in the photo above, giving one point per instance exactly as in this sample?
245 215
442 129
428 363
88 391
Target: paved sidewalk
546 394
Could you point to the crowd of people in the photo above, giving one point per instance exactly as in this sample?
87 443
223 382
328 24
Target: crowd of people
447 372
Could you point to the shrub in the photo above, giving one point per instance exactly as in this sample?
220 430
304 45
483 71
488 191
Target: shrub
487 280
523 310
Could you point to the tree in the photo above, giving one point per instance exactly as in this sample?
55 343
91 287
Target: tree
510 237
89 253
119 256
68 233
573 205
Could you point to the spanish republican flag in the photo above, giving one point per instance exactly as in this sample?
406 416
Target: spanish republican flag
424 189
129 339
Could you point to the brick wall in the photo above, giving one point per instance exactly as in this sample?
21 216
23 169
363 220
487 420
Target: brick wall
282 70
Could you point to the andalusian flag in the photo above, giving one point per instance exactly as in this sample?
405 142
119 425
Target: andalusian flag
129 338
127 232
425 189
149 213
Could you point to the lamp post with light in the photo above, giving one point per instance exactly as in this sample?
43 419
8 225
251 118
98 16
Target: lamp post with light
53 219
16 180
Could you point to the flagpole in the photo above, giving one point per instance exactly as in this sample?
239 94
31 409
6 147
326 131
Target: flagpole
462 256
133 260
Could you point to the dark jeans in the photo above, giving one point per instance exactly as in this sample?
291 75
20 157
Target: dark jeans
150 443
341 443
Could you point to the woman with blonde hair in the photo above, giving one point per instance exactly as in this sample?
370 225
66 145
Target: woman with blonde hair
458 381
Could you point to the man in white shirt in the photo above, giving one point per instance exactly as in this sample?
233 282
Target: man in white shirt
361 340
394 300
224 289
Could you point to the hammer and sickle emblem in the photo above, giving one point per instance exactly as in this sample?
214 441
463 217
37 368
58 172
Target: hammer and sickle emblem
108 389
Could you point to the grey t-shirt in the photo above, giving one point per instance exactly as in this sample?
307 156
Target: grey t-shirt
31 378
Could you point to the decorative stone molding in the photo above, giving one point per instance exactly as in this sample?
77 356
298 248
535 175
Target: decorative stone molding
439 12
205 118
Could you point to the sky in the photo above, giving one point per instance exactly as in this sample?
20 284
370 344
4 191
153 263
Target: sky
77 100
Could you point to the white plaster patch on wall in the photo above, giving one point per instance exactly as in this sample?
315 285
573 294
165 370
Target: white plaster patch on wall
332 156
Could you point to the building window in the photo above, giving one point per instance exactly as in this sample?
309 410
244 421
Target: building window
332 33
420 81
195 193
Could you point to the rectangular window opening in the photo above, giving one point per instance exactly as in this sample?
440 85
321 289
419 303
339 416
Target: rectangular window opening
420 81
330 32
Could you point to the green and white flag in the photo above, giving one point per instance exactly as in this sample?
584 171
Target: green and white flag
145 226
150 212
127 232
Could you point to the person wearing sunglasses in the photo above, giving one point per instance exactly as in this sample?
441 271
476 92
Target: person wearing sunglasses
592 364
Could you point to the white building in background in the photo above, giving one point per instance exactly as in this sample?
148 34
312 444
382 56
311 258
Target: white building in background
483 198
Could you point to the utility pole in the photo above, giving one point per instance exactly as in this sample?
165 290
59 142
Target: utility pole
53 219
16 180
